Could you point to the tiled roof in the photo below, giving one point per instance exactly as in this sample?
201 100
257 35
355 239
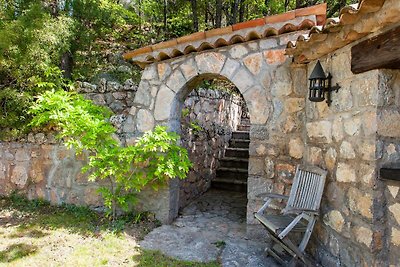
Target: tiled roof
353 23
299 19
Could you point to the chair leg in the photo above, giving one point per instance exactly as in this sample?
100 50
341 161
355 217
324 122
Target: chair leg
276 256
298 252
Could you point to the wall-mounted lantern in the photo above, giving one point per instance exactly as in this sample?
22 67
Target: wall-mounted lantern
320 85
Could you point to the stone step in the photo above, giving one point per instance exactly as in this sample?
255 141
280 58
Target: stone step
232 174
234 163
237 152
222 184
242 127
245 121
239 143
241 135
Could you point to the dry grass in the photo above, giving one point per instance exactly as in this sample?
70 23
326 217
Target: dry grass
33 233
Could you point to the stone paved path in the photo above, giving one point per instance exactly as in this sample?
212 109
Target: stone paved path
211 228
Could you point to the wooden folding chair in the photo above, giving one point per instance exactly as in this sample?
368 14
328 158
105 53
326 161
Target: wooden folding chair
299 215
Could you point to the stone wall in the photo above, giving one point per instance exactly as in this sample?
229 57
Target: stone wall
388 156
208 118
351 139
39 166
46 170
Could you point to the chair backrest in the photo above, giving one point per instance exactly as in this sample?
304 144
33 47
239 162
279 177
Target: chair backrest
307 189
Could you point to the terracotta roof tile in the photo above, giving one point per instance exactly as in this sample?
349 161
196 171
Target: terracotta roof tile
165 44
314 10
248 24
280 17
192 37
219 31
354 22
302 19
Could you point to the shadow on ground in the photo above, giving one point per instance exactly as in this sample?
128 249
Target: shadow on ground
212 228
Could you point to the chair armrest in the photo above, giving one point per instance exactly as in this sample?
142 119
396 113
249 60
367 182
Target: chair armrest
273 196
268 199
298 211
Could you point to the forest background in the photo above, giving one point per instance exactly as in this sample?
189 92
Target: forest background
50 44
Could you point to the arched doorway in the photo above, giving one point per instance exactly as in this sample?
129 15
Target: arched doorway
215 129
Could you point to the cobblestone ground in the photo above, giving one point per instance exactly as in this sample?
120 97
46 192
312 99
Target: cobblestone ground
211 228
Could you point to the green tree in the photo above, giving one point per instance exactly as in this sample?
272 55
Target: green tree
152 161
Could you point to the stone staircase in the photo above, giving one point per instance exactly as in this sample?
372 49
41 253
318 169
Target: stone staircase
233 170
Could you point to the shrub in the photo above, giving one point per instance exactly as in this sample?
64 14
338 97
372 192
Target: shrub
153 160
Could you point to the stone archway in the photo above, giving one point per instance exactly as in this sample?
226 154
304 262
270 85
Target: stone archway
261 73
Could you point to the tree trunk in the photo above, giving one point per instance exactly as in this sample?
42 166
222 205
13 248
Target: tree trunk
165 15
234 11
337 7
241 11
218 13
266 11
286 4
195 16
66 65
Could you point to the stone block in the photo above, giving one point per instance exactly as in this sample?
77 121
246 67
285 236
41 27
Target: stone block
395 236
19 176
275 57
243 80
394 190
369 123
144 120
395 210
300 85
92 197
281 84
296 148
257 186
253 62
285 171
176 81
388 123
293 105
367 149
352 126
335 195
367 173
335 220
347 151
210 62
268 43
269 168
345 173
143 95
163 104
230 67
189 69
22 154
150 72
257 105
238 51
337 129
315 156
256 166
360 202
320 131
129 124
363 235
163 69
342 100
365 90
330 158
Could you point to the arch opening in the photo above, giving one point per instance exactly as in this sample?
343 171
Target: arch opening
214 125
